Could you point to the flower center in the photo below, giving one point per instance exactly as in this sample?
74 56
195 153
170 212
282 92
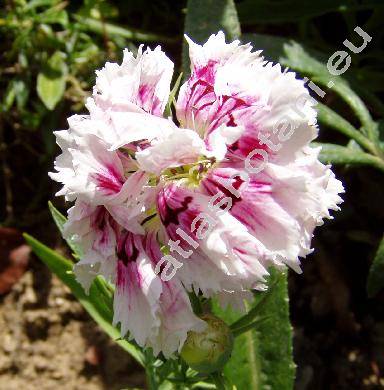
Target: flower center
190 174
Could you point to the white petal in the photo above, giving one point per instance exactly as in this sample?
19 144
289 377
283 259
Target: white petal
143 82
136 300
219 139
177 320
180 147
130 127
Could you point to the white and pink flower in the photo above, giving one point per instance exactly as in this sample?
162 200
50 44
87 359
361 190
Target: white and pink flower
148 188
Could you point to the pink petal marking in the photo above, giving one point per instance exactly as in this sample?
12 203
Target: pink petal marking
147 99
200 104
169 215
110 180
128 247
128 276
104 227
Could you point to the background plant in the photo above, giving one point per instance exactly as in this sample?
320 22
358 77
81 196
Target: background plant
50 53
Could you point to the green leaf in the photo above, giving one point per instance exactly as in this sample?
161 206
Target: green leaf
262 357
369 94
343 89
335 121
171 99
51 81
220 382
60 220
22 92
330 118
97 303
9 97
38 3
376 272
54 15
206 17
337 154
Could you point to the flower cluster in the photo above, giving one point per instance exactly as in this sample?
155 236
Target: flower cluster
166 206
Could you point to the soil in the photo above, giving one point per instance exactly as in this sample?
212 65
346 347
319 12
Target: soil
47 341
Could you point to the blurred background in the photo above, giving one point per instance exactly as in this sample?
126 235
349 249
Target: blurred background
49 52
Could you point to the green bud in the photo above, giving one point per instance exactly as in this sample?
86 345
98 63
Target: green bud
209 350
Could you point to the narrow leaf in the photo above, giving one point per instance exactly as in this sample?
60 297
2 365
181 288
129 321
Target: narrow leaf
92 303
54 15
336 154
60 220
343 89
38 3
376 272
330 118
99 27
206 17
171 99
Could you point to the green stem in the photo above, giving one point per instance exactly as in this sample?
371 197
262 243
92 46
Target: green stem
354 101
151 379
361 158
337 122
149 370
103 287
254 360
219 381
375 162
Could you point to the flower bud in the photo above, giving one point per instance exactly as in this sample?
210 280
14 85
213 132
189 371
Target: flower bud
209 350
